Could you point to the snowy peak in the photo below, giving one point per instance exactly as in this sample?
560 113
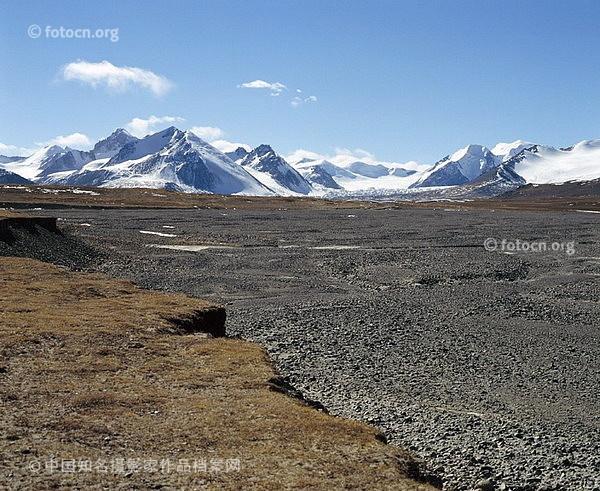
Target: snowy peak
111 145
586 145
401 172
46 152
49 160
547 165
238 154
318 176
472 160
264 151
329 167
367 170
508 150
273 171
170 159
180 160
463 166
150 144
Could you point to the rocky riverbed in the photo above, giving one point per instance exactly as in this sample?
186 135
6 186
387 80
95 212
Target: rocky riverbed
484 363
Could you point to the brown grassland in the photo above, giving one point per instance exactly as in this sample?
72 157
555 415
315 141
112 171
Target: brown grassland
50 196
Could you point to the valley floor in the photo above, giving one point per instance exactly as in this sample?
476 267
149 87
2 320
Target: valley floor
486 364
106 386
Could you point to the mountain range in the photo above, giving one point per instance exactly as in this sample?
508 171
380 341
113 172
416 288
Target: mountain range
180 160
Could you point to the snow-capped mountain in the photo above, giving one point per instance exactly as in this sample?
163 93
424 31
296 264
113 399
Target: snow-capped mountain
331 169
322 174
178 160
367 170
354 177
497 181
238 154
274 172
461 167
508 150
7 177
539 165
7 160
49 160
111 145
401 172
171 159
148 145
319 178
547 165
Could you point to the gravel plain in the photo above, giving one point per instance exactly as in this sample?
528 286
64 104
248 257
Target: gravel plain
484 364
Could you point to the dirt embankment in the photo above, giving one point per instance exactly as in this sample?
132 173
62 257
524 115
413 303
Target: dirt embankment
41 238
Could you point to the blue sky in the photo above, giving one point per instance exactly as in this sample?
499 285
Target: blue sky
402 80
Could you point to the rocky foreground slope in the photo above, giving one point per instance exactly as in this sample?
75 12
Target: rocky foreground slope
485 364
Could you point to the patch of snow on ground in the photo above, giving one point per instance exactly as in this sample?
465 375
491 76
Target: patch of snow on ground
160 234
191 248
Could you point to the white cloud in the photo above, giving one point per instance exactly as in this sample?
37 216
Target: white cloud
74 140
356 154
298 101
276 88
300 154
15 151
141 127
227 146
78 141
114 77
208 133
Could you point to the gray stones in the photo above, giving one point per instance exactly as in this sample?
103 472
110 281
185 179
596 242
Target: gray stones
489 373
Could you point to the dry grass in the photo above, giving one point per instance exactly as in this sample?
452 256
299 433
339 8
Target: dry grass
157 198
8 214
90 369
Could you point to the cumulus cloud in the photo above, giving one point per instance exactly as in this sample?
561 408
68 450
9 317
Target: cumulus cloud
298 101
15 151
227 146
114 77
74 140
275 88
356 154
301 154
208 133
141 127
77 141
